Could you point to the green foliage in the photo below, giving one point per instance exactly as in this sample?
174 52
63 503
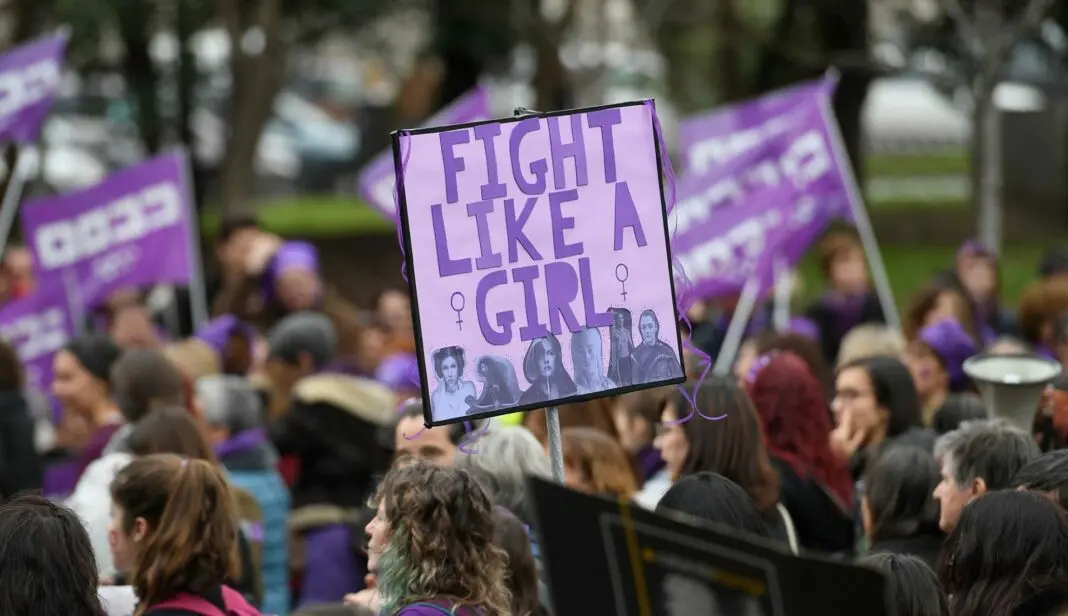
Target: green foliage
312 216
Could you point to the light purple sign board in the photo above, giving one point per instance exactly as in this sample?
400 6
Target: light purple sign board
133 229
38 326
763 180
29 81
376 181
538 260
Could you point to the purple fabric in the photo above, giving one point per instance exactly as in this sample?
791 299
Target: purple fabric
32 74
975 248
331 569
243 441
952 344
399 372
95 447
805 327
217 332
1046 352
290 256
762 179
132 229
848 308
61 477
649 461
437 607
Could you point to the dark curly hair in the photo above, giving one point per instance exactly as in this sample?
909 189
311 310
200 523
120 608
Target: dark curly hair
441 542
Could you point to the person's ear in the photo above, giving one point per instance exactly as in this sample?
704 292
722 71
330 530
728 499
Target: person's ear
978 487
139 530
305 362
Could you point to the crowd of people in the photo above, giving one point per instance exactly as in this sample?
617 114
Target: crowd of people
275 460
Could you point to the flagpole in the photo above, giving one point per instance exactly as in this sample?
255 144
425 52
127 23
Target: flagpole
16 185
880 279
198 295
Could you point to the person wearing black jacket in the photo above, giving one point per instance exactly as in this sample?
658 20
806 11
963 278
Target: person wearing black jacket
20 466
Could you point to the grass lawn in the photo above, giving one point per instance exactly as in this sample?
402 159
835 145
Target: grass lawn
908 267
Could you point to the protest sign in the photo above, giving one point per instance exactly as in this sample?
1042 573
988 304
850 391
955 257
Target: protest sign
535 248
29 81
131 230
376 180
610 557
764 179
37 326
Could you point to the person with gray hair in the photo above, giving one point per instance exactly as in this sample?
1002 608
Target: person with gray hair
235 428
502 460
298 346
978 457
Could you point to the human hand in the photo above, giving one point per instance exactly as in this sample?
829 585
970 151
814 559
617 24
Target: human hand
368 598
260 252
847 438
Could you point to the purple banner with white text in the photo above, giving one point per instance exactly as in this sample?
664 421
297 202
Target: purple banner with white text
376 180
131 230
763 180
37 326
29 81
538 260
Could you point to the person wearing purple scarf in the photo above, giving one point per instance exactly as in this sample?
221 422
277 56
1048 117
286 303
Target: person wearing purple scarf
231 340
636 416
975 274
848 300
936 360
1042 302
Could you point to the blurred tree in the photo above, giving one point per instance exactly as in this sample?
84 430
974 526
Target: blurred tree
730 50
976 37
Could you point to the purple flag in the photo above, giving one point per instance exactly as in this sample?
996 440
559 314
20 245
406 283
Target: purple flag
538 260
763 180
37 326
376 180
29 81
133 229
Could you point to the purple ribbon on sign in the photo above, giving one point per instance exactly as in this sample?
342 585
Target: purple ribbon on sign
684 297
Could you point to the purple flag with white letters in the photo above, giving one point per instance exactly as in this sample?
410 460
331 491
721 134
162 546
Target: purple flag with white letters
376 179
29 81
37 326
132 229
762 180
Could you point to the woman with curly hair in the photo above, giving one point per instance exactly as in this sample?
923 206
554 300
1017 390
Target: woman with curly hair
815 485
431 547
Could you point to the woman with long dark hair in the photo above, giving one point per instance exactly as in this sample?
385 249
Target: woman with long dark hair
1007 546
733 447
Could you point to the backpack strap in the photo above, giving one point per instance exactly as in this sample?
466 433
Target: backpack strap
190 602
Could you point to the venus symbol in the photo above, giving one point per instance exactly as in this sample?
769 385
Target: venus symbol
622 273
458 297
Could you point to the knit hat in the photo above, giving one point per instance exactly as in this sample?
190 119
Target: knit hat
304 332
952 345
97 353
217 332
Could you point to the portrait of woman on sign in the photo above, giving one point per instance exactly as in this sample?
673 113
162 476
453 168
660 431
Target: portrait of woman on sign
654 359
449 398
543 367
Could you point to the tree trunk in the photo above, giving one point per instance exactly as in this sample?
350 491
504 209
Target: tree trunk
727 68
257 79
187 83
140 71
987 181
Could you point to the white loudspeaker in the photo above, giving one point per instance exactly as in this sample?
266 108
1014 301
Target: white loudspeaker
1012 385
